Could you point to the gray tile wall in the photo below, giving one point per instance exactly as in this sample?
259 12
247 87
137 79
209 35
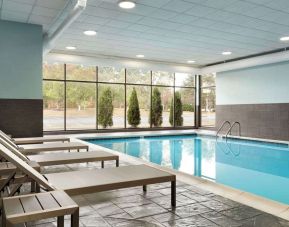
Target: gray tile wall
21 117
270 121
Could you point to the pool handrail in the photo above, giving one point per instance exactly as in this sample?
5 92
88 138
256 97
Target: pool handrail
222 126
230 129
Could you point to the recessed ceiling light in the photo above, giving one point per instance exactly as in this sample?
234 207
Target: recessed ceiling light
70 48
126 4
191 61
227 53
140 56
285 38
89 33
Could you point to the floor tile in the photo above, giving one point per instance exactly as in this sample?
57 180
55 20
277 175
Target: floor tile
190 210
145 210
94 221
229 202
195 196
215 205
241 213
221 220
165 201
107 209
130 201
197 190
193 221
165 217
265 220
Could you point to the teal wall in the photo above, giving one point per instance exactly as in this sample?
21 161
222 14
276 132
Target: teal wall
256 85
20 61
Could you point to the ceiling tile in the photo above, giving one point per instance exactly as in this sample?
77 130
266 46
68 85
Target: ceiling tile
43 11
14 15
118 24
163 14
153 3
178 6
59 4
16 6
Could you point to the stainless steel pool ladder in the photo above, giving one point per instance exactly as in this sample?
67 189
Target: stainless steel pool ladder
222 126
229 132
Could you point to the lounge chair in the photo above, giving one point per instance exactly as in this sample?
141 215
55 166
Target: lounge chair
34 207
33 140
64 158
36 148
89 181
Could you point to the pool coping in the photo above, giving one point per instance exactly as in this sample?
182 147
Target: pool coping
169 132
269 206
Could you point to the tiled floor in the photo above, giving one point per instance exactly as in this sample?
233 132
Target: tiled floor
132 208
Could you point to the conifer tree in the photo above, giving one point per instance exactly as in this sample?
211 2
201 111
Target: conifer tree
178 114
156 118
133 114
105 108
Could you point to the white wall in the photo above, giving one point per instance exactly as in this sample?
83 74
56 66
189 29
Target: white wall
255 85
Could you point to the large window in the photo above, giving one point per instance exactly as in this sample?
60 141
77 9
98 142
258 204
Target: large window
79 97
208 100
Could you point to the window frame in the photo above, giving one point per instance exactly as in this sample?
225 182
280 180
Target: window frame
125 84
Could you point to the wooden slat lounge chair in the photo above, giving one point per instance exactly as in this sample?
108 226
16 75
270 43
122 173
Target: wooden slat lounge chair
34 207
65 158
84 182
36 148
33 140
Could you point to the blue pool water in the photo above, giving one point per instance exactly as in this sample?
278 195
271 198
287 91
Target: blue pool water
258 167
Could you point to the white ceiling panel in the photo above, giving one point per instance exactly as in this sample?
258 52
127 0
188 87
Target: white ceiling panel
14 15
16 6
163 30
153 3
51 4
43 11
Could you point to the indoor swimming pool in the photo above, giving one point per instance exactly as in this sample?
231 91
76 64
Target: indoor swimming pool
261 168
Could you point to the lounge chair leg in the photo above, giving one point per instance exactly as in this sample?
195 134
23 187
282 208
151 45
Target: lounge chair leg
60 221
33 186
144 188
173 193
7 224
3 219
75 218
37 187
117 162
102 164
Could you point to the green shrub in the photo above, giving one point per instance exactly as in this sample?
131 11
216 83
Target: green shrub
133 114
156 115
188 107
178 115
105 108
